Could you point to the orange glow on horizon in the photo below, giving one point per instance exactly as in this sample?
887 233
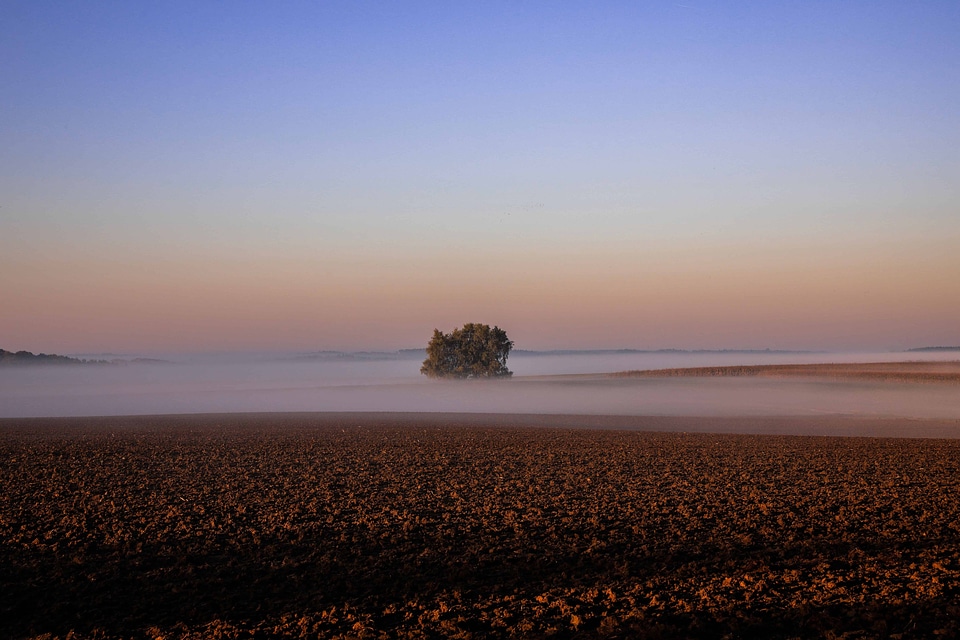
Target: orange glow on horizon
716 297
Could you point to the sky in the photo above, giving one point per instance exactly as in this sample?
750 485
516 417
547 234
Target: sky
217 176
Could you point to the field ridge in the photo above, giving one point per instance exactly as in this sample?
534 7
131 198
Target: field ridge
919 372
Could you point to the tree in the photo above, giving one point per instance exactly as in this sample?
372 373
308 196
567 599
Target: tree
473 351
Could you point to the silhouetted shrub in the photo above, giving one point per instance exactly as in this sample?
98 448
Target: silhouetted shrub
473 351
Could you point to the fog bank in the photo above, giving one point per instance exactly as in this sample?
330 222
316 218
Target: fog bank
238 384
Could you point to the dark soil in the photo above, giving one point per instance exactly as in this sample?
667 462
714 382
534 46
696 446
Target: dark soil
300 526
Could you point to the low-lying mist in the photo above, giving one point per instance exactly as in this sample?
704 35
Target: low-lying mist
236 384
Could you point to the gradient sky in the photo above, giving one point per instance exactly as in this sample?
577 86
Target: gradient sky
183 176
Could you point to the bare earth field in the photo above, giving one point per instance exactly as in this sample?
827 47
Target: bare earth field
435 526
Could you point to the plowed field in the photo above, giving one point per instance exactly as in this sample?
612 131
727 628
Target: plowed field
299 526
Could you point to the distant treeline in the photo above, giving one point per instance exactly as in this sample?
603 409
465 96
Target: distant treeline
25 357
408 354
920 349
614 352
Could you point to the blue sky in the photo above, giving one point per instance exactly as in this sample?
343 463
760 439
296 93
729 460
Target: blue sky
353 143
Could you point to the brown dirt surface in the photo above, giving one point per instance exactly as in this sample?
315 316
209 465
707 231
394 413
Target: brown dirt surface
385 526
939 371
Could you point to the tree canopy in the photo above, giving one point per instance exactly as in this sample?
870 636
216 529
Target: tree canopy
473 351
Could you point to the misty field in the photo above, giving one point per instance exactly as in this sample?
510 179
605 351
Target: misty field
368 526
922 372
